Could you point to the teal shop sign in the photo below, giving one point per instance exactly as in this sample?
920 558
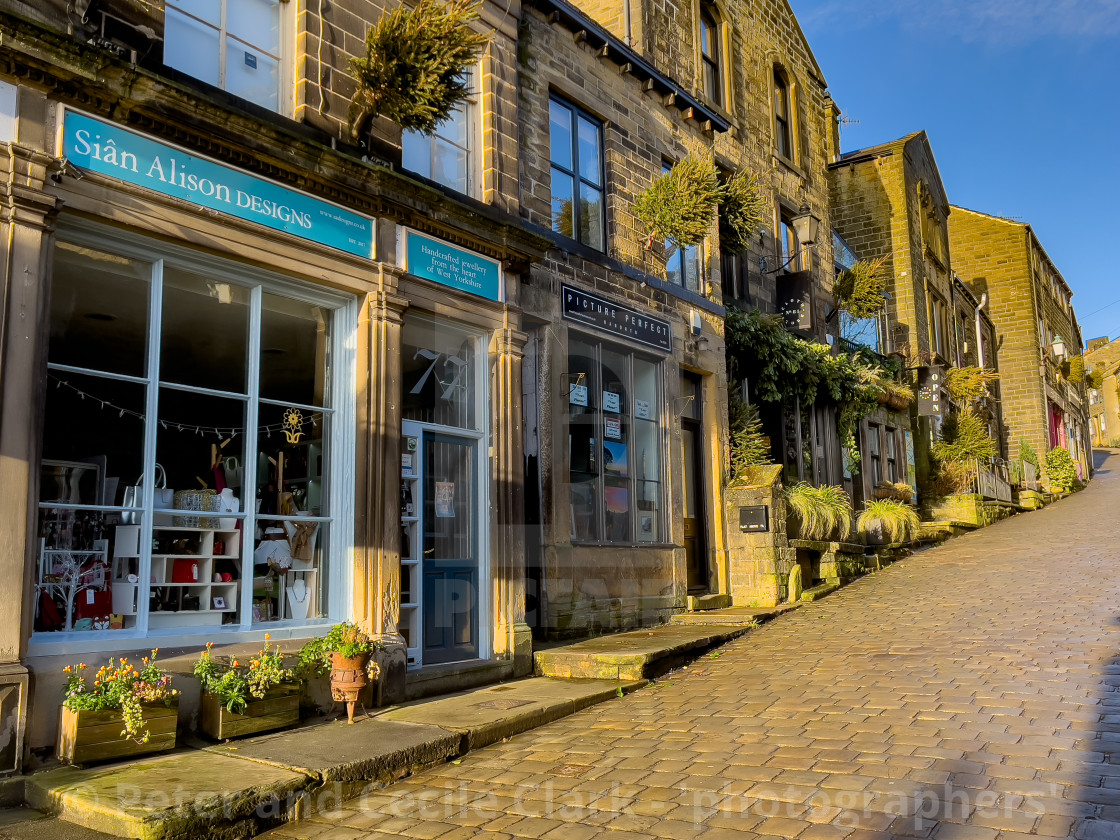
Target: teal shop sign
109 149
449 266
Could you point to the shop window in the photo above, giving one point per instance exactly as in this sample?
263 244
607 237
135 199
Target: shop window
615 444
783 115
892 456
683 266
874 454
576 144
189 430
447 155
235 45
439 373
710 57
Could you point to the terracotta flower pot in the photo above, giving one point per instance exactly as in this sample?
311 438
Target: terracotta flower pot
348 678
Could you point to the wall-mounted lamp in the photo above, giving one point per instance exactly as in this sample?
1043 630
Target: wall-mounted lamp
806 226
1059 347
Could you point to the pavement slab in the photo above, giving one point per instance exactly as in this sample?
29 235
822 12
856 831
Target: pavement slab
971 690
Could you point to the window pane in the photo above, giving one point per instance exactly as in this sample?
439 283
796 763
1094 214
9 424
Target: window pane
190 425
560 134
591 217
457 128
252 74
416 153
192 47
647 450
205 331
673 272
450 166
301 470
590 162
614 379
99 310
583 440
207 10
83 423
439 366
255 21
562 221
691 261
295 351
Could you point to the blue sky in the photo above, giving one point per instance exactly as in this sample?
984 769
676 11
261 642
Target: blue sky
1020 101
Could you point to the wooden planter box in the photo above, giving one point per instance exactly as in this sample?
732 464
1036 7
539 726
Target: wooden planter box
88 736
277 709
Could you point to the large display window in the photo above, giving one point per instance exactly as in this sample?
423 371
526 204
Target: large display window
193 474
615 444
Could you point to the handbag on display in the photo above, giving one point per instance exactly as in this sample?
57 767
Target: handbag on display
162 498
200 500
184 571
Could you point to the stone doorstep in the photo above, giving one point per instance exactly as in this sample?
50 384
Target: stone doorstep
632 656
235 790
747 617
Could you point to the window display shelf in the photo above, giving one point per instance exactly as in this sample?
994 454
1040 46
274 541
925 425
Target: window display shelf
188 582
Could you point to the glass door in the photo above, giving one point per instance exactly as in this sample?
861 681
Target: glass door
450 561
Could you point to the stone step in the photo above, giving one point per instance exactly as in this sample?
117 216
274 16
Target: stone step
821 590
732 616
234 791
708 602
640 654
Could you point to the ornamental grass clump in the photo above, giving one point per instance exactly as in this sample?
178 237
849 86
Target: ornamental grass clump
120 685
821 511
234 684
413 71
896 520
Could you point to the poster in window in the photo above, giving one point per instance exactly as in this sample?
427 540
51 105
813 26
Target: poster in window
612 428
577 395
614 458
445 500
641 409
612 402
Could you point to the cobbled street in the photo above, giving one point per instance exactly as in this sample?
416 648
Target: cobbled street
968 692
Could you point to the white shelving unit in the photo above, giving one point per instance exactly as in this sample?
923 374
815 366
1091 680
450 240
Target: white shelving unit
184 561
411 543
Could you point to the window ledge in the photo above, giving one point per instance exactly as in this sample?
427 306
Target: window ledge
785 162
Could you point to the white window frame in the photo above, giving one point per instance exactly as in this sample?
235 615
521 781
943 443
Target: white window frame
472 108
285 97
341 465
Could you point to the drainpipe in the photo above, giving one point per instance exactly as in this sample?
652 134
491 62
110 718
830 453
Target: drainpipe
979 333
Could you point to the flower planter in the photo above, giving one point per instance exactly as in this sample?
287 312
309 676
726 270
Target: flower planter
278 708
348 678
87 736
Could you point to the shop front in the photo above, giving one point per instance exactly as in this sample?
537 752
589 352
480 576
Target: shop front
246 421
627 434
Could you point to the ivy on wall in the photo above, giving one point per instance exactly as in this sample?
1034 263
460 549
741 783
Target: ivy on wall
413 69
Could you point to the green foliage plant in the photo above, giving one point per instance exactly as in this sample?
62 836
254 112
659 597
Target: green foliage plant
1061 471
346 639
898 520
681 203
749 446
1077 369
234 684
821 510
964 437
413 70
968 384
120 685
744 207
1027 454
859 289
1095 378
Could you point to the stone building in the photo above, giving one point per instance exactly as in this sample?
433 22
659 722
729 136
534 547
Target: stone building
211 280
889 201
1036 331
1103 356
626 430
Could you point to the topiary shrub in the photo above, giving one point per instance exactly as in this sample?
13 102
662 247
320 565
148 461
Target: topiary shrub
750 447
859 289
743 207
964 437
681 203
413 69
1061 471
968 384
